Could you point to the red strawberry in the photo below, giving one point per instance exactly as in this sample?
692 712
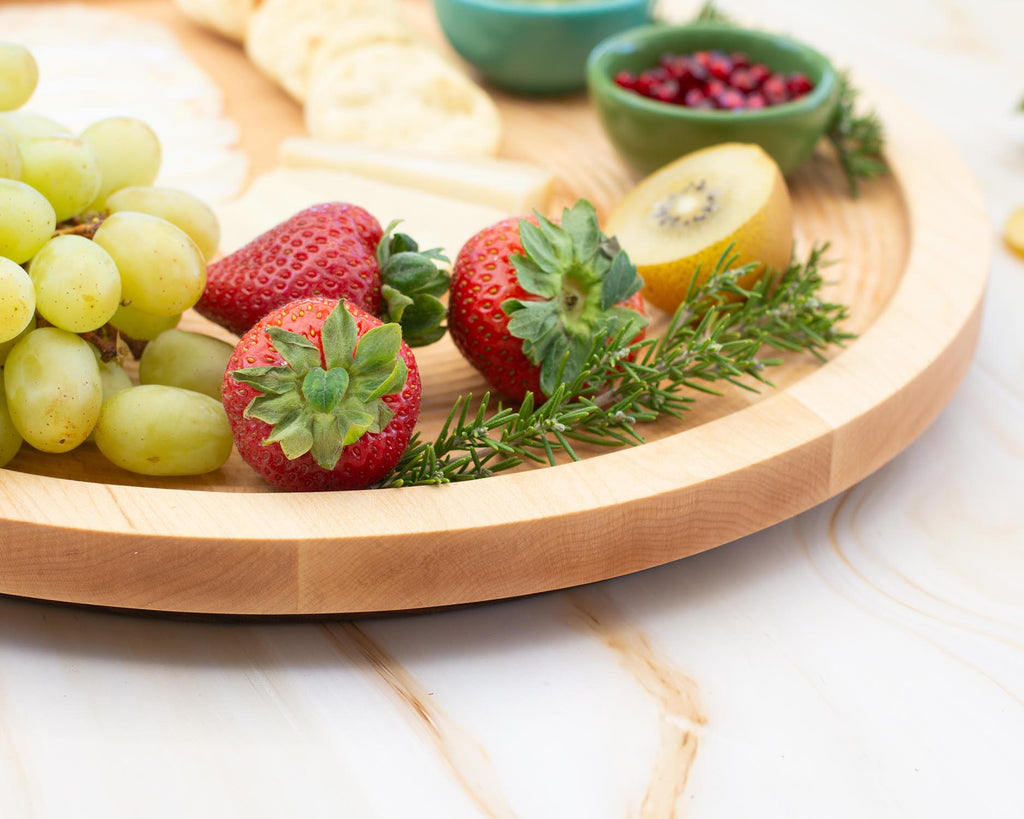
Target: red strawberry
322 395
528 297
334 250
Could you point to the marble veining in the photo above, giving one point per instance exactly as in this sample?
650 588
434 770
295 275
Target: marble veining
462 754
864 659
678 696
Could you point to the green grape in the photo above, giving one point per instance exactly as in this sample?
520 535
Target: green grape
18 76
128 152
63 169
10 157
77 284
7 346
26 125
27 220
140 326
54 392
10 438
180 358
154 429
163 272
178 207
113 377
17 299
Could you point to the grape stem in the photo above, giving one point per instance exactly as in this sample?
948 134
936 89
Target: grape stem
85 225
106 340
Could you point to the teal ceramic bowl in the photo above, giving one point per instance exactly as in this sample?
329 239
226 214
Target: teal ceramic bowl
649 134
535 47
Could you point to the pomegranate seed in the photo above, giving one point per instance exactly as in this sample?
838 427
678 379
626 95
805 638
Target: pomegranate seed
774 90
646 81
759 72
626 79
695 98
756 101
698 71
681 70
742 80
719 67
798 84
739 60
714 88
665 91
675 64
730 100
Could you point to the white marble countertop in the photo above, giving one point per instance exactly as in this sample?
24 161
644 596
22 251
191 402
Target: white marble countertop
865 659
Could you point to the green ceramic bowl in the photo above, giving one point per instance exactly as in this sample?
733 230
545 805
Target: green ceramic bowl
649 134
535 47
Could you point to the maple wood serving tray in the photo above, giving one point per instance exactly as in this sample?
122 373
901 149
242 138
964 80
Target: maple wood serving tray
911 257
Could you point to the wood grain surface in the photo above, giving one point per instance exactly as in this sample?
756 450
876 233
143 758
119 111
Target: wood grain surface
911 258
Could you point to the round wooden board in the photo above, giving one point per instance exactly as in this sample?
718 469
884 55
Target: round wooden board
911 262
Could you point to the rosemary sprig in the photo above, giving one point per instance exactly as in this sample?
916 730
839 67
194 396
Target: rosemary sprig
625 385
709 13
858 139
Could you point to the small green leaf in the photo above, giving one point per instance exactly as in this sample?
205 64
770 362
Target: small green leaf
378 346
509 306
294 435
275 380
338 335
325 442
538 249
354 425
620 282
409 271
274 409
531 320
534 279
423 316
560 241
564 362
382 418
580 223
325 389
397 302
383 381
298 351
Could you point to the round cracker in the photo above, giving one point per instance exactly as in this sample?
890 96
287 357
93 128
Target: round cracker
284 36
402 96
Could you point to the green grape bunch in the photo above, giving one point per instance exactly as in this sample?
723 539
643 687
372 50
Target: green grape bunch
96 261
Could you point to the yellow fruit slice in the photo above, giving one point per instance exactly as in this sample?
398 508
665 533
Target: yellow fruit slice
677 223
1013 232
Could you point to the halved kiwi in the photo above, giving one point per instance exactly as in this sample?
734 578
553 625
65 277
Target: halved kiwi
676 223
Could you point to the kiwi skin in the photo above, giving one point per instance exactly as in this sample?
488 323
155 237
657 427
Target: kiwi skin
766 238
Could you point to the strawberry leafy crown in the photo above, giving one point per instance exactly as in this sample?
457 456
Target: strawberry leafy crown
324 398
580 277
412 286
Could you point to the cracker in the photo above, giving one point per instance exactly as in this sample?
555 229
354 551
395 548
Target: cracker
402 96
284 36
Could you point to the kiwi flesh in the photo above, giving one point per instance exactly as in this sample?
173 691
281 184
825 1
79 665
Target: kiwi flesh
677 223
